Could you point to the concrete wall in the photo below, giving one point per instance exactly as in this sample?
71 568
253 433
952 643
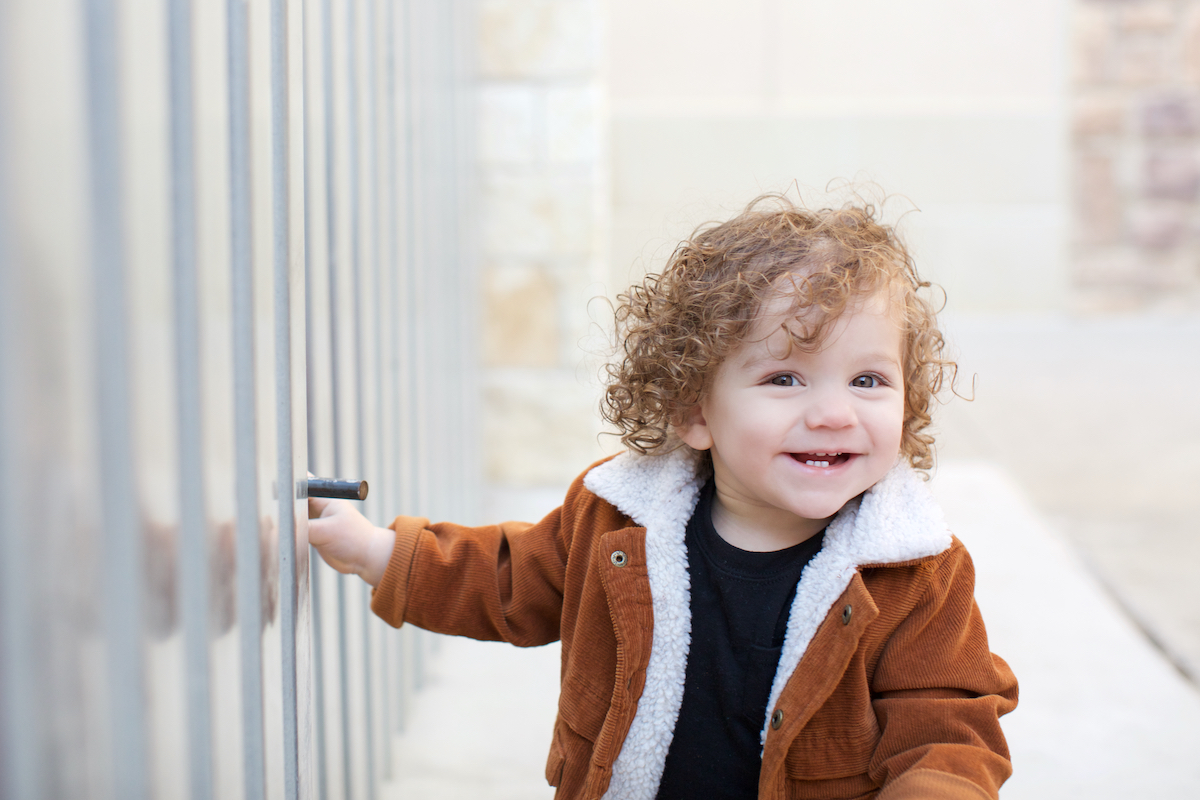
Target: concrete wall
542 173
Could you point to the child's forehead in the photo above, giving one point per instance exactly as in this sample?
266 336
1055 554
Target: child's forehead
788 300
780 326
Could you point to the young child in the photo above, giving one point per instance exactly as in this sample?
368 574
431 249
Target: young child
759 598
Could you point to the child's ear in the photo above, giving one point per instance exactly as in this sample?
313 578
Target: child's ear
693 429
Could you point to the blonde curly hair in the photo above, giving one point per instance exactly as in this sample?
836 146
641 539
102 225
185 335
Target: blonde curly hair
678 326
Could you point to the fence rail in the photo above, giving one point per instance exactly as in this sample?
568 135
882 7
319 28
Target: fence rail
234 246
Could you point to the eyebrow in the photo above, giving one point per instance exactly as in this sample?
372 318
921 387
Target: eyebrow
882 357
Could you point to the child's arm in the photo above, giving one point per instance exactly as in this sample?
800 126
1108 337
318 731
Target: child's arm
495 582
501 582
347 540
939 692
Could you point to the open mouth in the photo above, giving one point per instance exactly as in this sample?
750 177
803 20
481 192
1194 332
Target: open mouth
822 459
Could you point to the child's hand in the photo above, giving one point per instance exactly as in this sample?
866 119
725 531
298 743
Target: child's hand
347 540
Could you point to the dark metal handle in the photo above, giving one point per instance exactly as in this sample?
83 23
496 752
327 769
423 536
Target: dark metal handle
343 490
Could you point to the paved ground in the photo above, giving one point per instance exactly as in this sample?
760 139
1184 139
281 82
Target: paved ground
1102 713
1098 421
1073 480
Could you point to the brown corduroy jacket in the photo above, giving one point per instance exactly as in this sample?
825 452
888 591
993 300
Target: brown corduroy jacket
885 687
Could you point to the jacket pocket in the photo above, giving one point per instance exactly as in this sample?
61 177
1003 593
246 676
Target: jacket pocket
819 756
823 767
582 707
568 764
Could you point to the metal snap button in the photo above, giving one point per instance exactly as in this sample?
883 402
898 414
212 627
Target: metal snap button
619 558
776 719
847 612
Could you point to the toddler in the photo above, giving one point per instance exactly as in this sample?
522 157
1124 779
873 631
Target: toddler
759 597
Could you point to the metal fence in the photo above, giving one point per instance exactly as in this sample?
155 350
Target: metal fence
233 247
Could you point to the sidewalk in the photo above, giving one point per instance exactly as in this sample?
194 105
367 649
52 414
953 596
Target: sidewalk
1096 420
1102 714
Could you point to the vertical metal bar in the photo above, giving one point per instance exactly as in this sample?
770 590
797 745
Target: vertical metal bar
319 678
397 341
344 685
356 281
315 598
417 307
308 237
449 274
436 265
194 596
215 216
249 578
265 244
359 345
381 437
122 538
443 362
331 231
288 578
376 696
334 267
415 315
296 584
328 607
18 707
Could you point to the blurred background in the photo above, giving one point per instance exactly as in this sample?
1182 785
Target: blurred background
379 238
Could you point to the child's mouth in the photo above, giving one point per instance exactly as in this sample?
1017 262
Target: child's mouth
821 459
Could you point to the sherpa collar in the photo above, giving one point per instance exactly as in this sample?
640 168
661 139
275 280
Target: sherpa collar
896 520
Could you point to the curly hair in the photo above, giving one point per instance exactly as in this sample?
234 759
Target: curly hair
678 326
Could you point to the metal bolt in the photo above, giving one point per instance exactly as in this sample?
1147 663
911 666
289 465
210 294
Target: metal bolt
343 490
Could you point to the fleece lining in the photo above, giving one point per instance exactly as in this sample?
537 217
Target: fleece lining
895 520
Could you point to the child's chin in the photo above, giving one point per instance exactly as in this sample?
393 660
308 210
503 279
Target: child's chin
826 506
818 511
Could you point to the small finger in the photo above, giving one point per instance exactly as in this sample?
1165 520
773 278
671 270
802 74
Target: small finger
316 506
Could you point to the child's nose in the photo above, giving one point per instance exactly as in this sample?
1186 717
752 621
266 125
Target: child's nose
830 409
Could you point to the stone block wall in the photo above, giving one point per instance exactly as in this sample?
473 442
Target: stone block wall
1135 122
542 200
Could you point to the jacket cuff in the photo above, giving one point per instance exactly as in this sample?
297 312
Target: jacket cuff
927 784
389 599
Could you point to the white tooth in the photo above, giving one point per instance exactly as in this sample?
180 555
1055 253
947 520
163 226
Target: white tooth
823 464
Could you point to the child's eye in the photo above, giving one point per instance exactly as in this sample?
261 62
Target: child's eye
866 382
783 380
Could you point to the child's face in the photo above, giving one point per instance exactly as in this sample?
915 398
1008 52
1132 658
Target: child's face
794 435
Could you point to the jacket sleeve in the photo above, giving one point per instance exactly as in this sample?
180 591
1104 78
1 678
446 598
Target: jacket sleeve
938 695
497 582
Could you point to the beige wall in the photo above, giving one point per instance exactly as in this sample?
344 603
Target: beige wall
956 106
609 128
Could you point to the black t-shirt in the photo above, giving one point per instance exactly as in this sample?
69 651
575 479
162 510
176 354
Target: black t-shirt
740 604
